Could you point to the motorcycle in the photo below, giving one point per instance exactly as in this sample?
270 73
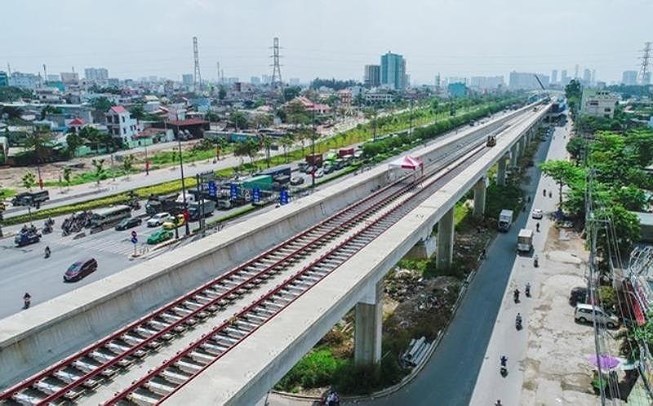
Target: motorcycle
516 295
47 252
47 228
535 262
49 222
504 369
27 301
518 322
537 227
528 290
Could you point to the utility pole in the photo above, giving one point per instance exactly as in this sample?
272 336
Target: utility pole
183 186
197 79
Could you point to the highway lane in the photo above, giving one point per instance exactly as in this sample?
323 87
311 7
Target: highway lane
24 269
449 377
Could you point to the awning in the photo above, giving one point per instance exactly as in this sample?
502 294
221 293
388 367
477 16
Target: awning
407 162
639 313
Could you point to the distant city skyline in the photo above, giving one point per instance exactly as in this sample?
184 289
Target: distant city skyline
325 39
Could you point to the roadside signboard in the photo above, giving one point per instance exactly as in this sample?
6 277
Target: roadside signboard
283 197
233 191
213 189
256 195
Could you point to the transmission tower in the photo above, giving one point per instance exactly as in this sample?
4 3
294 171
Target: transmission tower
644 74
276 67
197 81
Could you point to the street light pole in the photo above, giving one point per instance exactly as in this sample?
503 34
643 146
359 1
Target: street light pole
147 164
183 185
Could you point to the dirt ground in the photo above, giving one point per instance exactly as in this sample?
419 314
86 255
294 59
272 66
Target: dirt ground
556 371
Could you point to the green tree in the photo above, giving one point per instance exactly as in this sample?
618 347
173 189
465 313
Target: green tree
286 143
563 173
66 175
73 141
291 92
127 163
101 104
99 169
222 93
573 92
252 148
623 232
239 120
29 180
266 143
630 197
297 114
137 111
92 136
576 148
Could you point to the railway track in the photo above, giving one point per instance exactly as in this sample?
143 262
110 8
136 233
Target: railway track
82 373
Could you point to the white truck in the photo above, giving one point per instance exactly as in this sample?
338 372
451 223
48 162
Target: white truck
525 240
505 220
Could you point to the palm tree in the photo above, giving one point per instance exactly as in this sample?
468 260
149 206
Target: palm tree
92 135
287 142
39 142
266 143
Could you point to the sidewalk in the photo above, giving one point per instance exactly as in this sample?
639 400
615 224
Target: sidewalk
81 193
546 362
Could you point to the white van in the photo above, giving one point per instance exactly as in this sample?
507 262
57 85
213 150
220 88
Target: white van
586 313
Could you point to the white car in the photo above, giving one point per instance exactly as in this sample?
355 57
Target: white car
537 214
159 219
319 173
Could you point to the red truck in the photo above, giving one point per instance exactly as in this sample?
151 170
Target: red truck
346 151
314 160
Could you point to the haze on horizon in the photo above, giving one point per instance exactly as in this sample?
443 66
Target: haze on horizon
320 38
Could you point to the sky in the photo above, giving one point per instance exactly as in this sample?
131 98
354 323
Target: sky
325 38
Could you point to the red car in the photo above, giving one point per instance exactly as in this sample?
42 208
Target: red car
80 269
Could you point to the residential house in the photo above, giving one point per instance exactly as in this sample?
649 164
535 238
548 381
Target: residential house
598 103
120 124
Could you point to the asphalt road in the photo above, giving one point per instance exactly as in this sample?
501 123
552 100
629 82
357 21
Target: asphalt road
450 376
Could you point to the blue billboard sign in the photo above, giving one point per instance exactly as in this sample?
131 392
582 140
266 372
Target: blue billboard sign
256 195
213 189
283 197
233 191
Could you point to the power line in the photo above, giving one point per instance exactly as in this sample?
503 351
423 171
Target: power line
276 83
197 82
644 74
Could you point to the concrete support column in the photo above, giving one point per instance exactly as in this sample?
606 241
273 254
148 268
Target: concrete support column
479 198
444 254
367 330
514 155
501 172
523 143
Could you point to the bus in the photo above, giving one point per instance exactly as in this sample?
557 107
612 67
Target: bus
110 216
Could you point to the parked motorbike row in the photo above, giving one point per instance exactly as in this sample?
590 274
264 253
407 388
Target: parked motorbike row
75 223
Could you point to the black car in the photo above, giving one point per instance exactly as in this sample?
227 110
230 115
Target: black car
129 223
80 269
578 295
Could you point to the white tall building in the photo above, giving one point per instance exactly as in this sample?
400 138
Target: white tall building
629 78
598 103
24 80
554 76
486 82
527 81
96 74
121 124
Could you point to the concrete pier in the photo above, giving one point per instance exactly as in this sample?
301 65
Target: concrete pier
445 240
479 197
367 331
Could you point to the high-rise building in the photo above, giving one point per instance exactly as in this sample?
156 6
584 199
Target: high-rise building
393 71
187 79
564 79
554 76
587 76
372 75
255 80
527 81
96 74
486 82
4 79
629 78
70 77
